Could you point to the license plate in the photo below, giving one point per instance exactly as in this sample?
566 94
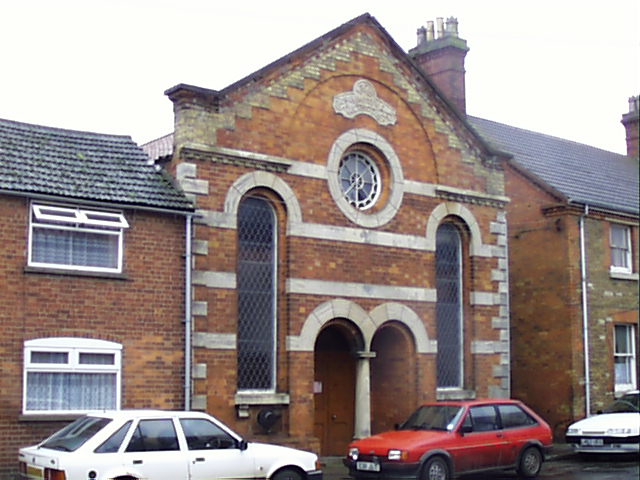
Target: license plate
591 442
35 472
368 466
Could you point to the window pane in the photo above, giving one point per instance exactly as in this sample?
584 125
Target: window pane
448 306
97 358
112 444
77 248
622 339
202 434
513 416
623 370
620 246
484 419
154 436
256 295
70 391
50 357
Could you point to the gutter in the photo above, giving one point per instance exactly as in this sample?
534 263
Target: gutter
585 312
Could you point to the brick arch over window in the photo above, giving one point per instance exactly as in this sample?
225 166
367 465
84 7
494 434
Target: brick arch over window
477 248
257 179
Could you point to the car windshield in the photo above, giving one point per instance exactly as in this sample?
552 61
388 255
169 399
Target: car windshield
74 435
433 417
626 403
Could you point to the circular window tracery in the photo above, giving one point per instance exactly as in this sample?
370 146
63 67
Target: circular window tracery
379 203
360 180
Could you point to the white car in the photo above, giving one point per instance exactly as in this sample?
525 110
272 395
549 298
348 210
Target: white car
615 430
159 445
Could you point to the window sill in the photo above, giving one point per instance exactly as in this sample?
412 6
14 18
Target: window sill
49 417
624 276
75 273
262 399
455 394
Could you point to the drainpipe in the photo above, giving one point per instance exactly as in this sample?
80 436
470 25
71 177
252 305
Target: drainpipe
585 312
187 315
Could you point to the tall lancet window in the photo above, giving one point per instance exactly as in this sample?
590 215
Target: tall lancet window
256 286
449 307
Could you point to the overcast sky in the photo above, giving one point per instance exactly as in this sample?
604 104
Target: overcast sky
566 68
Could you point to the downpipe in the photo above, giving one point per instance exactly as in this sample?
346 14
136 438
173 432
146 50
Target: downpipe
585 312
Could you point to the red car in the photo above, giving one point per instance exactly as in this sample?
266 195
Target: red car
443 439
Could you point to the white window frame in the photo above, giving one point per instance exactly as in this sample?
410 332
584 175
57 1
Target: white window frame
76 219
73 347
629 357
627 268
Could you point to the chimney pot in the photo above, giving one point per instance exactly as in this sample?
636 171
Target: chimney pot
422 36
631 123
452 27
440 25
430 31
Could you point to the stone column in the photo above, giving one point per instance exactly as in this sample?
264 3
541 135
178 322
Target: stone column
363 394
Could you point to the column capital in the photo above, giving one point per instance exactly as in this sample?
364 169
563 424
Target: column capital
365 354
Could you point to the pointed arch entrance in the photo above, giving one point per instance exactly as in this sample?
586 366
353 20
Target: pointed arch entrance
334 385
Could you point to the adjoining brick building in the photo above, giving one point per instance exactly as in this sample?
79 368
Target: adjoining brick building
573 252
92 246
573 249
350 256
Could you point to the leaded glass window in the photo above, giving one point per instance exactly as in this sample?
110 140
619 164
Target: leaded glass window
449 306
256 279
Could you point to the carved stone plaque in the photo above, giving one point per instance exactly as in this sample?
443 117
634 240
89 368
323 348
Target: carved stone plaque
363 99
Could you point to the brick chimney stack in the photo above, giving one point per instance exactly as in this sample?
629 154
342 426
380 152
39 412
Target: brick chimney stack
631 122
440 53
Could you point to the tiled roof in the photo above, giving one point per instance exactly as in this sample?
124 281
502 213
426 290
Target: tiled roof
582 174
86 166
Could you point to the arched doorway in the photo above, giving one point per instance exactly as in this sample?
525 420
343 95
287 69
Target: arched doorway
334 386
393 377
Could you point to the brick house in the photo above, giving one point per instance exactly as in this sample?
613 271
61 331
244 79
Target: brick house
93 245
573 252
573 249
349 246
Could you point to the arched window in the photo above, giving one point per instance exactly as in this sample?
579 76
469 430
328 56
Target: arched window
256 282
449 307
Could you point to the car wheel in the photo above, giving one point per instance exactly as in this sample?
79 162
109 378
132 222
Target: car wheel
530 463
435 469
287 474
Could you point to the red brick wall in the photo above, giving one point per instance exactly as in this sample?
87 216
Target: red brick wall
143 310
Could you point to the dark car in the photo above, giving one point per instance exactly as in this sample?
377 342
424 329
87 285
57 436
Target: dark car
443 439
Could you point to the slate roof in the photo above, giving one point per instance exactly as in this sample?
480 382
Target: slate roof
581 173
40 160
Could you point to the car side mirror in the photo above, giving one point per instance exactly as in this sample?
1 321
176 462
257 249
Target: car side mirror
465 429
243 445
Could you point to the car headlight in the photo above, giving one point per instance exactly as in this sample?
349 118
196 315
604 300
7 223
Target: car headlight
573 431
395 454
619 431
353 453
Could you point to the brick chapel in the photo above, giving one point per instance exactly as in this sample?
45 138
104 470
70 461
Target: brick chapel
349 249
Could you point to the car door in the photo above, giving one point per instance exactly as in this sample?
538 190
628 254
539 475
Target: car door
153 451
214 453
481 440
518 430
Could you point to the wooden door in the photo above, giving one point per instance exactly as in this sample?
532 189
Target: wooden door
335 392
